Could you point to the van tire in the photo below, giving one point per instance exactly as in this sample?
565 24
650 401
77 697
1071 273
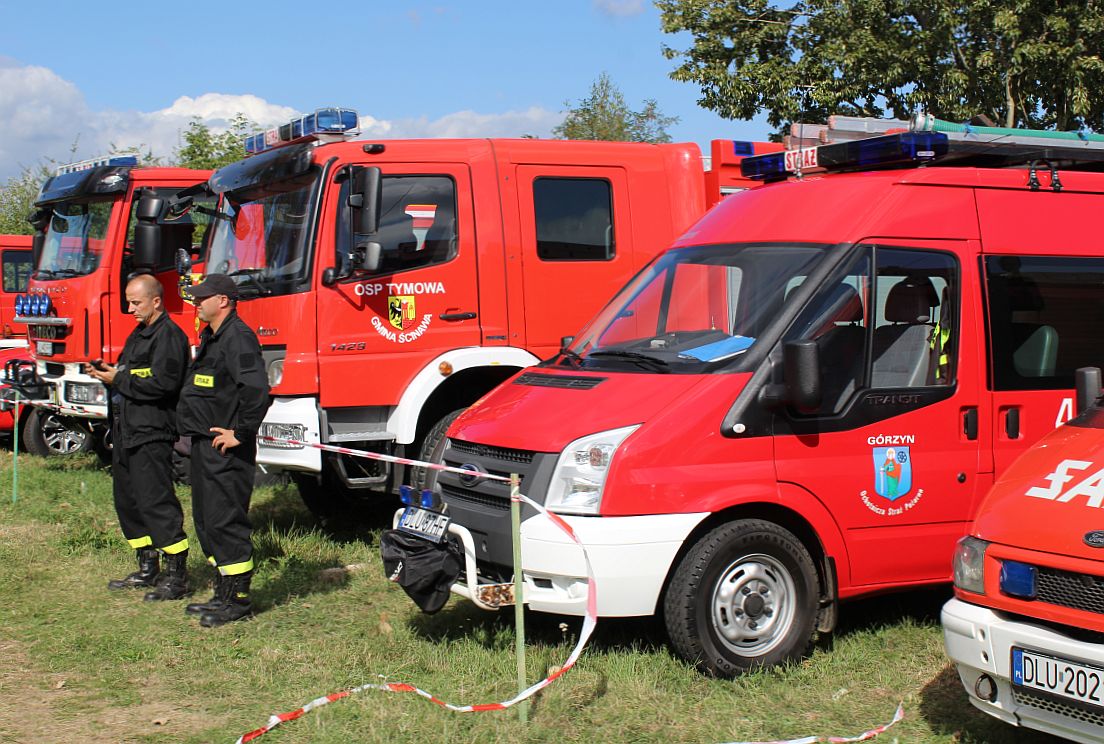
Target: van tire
49 434
431 449
710 626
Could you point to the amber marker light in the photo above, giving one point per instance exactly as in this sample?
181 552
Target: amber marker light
445 369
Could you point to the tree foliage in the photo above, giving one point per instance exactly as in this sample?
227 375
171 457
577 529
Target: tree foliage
17 197
203 149
1033 63
604 115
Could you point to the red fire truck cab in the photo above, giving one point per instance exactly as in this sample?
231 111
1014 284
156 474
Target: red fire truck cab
485 253
74 307
803 400
1026 623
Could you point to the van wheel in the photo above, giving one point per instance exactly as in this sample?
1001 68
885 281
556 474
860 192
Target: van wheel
744 597
47 433
431 449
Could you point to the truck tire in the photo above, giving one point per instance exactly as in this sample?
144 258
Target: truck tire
744 597
47 434
323 494
431 449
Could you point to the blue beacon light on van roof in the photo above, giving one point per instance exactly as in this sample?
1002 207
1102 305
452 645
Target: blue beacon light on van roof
906 148
334 122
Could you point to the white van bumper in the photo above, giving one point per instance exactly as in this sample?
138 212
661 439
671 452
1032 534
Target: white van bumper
980 641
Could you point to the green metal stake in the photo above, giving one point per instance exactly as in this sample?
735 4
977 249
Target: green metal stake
15 451
519 599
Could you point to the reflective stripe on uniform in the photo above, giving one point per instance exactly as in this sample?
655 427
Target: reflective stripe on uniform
211 560
141 542
236 568
177 547
142 372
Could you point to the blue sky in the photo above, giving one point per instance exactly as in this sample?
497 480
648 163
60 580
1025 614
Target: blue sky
128 73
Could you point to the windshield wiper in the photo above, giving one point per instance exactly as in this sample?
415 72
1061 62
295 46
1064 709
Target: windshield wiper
642 360
55 273
251 276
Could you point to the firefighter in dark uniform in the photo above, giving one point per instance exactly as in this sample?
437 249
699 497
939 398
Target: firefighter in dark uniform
144 389
222 403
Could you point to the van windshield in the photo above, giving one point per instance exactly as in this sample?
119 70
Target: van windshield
694 310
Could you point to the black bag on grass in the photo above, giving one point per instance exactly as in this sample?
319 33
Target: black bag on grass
425 570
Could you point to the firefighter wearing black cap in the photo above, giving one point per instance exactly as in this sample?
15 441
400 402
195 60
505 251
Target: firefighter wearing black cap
144 389
222 403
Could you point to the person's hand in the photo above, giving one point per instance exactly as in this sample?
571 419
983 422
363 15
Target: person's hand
105 373
224 439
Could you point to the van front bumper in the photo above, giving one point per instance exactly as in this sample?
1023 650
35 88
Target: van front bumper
979 641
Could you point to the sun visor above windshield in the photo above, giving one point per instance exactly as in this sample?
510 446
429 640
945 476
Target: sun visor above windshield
270 172
91 182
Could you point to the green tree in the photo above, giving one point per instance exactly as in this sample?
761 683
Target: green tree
204 149
1033 63
17 197
604 115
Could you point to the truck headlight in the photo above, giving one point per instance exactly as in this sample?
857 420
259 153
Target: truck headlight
298 432
969 564
89 393
275 373
581 471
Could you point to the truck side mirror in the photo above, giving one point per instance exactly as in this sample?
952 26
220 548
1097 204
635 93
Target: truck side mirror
40 220
801 370
366 200
147 233
1087 385
366 255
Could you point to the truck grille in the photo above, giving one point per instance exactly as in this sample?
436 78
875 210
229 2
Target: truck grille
575 382
1064 709
1067 589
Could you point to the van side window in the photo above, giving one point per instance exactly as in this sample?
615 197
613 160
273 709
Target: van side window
417 222
17 270
574 219
1046 319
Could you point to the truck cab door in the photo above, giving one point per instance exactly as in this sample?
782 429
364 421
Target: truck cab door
894 451
377 330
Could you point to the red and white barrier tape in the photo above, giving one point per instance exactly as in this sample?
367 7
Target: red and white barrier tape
589 620
864 736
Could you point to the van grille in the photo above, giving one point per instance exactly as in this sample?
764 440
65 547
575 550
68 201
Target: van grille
1067 589
1068 710
575 382
452 494
486 451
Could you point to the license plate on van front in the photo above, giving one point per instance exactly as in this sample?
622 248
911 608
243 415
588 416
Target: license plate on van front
424 523
1067 679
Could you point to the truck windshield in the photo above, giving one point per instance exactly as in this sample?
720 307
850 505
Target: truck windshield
75 237
693 310
265 243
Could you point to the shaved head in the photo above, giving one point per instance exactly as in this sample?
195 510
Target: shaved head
148 285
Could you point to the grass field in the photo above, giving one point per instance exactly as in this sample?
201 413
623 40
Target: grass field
79 663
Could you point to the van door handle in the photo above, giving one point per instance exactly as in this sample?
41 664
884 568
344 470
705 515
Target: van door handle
457 316
970 423
1012 423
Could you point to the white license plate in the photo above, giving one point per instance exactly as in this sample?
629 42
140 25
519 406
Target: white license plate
44 348
424 523
1067 679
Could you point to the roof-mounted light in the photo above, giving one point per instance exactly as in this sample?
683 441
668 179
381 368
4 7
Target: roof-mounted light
112 160
325 123
908 148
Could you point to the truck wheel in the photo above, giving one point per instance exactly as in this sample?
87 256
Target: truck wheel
324 495
743 597
431 449
46 433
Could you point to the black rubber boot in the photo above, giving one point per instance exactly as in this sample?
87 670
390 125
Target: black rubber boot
148 568
173 581
236 605
214 603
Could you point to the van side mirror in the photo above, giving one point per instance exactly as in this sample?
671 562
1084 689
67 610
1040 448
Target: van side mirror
1087 385
565 341
801 371
147 233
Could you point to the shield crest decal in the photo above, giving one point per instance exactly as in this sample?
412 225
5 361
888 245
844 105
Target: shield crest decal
892 472
400 311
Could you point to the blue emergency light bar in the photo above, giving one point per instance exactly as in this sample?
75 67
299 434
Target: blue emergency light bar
112 160
32 305
1018 579
324 121
906 148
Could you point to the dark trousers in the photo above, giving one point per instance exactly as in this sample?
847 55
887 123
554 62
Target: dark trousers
221 488
149 512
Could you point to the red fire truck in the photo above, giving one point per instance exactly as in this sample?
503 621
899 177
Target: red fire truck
1026 623
74 307
804 399
17 264
393 283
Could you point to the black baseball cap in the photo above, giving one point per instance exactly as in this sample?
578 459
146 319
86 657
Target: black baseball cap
214 284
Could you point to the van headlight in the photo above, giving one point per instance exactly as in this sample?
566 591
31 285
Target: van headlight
969 564
581 471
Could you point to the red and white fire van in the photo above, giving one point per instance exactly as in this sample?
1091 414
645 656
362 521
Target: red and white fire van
74 307
1026 626
487 252
804 400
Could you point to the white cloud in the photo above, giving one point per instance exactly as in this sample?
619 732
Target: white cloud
43 115
620 7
